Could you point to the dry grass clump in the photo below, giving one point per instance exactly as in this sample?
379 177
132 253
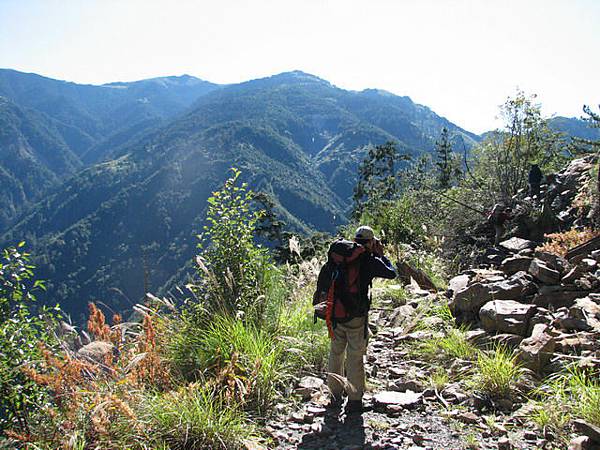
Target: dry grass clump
560 243
95 401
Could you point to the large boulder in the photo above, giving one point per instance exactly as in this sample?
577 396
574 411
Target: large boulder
536 351
585 266
542 272
569 177
588 429
506 340
516 264
506 316
587 310
458 283
577 342
514 288
471 298
515 244
553 261
556 296
478 274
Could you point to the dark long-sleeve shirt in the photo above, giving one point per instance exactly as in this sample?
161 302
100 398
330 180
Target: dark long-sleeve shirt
374 267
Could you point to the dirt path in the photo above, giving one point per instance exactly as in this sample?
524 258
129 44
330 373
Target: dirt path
316 427
401 413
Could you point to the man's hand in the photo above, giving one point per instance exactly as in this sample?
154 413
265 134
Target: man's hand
377 247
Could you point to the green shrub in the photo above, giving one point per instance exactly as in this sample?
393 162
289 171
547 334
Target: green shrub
442 310
391 294
233 269
244 360
306 343
550 416
432 265
196 417
453 345
498 372
575 391
20 333
586 389
396 223
439 378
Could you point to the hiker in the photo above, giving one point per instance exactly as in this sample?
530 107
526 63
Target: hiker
535 179
344 282
498 217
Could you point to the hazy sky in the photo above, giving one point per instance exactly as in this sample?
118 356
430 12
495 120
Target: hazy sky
461 58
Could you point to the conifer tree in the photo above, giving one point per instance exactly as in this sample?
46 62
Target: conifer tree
443 149
377 178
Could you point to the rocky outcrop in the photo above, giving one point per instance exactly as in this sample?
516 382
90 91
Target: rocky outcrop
506 316
538 303
536 351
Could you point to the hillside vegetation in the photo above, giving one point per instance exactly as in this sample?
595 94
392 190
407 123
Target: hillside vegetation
220 366
51 128
296 138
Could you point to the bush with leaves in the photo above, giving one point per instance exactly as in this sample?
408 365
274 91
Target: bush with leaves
232 267
503 160
20 332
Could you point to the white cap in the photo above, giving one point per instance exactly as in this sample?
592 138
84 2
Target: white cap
364 232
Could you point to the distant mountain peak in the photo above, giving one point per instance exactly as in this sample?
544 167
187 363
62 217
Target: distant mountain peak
294 76
380 92
173 80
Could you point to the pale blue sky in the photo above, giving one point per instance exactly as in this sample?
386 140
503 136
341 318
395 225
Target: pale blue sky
461 58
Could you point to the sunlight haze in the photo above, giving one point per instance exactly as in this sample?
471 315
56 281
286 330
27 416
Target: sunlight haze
460 58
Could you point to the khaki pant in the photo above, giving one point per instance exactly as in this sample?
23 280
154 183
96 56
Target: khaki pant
349 342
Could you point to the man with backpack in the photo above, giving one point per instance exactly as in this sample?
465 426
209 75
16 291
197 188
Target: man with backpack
342 299
498 217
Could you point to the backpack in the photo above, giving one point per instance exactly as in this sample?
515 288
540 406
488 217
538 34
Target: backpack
338 295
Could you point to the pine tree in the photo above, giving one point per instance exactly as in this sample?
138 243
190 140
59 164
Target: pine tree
444 165
377 178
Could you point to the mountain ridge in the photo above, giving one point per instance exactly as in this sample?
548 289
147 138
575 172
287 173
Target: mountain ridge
293 135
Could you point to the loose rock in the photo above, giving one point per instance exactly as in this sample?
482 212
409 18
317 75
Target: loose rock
516 264
308 385
392 398
506 316
544 273
589 430
535 352
515 244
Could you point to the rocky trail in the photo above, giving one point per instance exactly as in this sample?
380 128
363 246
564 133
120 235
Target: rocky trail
402 410
540 305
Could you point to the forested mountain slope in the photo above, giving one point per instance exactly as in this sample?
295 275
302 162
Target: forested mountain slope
574 127
293 135
33 157
50 128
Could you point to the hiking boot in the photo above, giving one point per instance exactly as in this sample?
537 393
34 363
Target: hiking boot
354 407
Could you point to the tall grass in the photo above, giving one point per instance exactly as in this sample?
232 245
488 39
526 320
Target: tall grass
306 342
242 358
575 391
497 372
586 388
196 417
453 345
